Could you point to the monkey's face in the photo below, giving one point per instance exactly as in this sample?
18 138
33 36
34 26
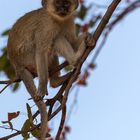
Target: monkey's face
61 9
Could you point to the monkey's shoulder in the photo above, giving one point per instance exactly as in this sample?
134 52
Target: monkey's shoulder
28 21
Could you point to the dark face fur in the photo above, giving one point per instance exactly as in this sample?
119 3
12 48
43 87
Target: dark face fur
61 8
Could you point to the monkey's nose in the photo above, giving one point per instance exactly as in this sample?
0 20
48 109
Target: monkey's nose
62 9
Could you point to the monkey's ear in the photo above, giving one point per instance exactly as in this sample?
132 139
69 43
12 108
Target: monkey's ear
44 3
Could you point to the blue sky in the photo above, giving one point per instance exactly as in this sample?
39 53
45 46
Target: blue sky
109 108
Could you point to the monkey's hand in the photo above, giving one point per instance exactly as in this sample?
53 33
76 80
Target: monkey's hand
89 40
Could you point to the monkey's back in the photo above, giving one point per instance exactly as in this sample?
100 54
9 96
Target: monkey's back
21 45
22 33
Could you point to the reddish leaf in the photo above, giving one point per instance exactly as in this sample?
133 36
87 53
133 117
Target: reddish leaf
92 66
86 75
13 115
82 82
67 129
85 28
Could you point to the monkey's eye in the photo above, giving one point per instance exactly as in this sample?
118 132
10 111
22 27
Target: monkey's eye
67 4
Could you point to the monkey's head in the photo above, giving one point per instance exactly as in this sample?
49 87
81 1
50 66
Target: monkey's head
60 9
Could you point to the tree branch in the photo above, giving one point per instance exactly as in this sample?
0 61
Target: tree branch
76 72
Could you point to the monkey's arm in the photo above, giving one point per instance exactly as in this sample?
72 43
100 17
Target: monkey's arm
64 48
76 41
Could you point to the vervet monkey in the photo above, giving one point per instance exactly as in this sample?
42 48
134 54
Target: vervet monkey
39 37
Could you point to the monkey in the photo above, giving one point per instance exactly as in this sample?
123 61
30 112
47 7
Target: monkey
37 40
39 37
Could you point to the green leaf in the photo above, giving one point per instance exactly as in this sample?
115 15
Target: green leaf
36 133
68 68
5 65
16 86
6 32
7 68
25 129
29 113
82 13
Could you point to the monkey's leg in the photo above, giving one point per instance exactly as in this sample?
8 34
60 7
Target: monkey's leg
57 80
27 78
42 71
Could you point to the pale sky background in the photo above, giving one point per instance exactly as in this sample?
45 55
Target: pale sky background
109 108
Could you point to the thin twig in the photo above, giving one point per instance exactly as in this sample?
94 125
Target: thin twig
4 88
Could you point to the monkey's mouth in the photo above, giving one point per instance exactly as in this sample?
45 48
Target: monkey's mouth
63 14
